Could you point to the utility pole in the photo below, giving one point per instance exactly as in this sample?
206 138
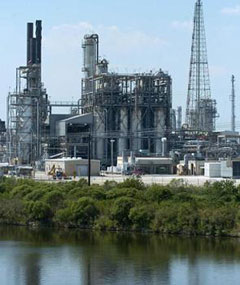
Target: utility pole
233 98
89 159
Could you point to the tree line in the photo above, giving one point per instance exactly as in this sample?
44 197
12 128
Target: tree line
177 208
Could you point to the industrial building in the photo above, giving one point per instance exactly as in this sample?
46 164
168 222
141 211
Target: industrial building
118 115
28 104
134 110
73 166
145 165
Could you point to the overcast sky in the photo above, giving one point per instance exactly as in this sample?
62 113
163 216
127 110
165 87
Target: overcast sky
135 36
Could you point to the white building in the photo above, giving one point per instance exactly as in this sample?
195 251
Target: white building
212 169
72 166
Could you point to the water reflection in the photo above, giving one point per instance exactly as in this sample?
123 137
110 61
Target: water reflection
32 268
45 256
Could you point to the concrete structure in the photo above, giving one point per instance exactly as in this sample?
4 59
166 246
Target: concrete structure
191 167
24 171
212 169
71 166
154 165
230 169
196 167
149 165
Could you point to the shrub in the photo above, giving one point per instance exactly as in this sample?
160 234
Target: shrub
183 197
158 193
104 223
38 211
109 185
21 191
12 211
2 187
78 192
141 217
188 218
124 192
82 183
54 199
97 194
121 210
64 216
84 211
218 221
35 195
222 192
132 183
177 183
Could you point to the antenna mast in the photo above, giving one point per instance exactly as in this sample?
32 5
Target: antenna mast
233 98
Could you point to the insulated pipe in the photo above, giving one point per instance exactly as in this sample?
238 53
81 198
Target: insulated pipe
164 147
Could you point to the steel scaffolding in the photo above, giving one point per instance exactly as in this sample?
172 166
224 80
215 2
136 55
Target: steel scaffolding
134 110
201 110
27 106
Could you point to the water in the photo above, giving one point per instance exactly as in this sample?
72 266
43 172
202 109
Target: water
46 256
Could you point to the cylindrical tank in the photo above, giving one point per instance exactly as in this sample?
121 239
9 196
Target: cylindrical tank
132 158
90 54
164 147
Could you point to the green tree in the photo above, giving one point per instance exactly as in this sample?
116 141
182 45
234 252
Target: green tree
141 217
54 199
84 211
38 211
121 210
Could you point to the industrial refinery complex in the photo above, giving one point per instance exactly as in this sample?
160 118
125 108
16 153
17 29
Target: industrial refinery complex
124 123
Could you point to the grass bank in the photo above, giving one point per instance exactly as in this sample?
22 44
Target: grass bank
213 209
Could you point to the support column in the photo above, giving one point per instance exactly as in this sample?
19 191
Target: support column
160 129
99 137
122 142
136 130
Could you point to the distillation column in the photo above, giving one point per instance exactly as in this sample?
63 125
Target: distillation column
160 129
136 129
122 142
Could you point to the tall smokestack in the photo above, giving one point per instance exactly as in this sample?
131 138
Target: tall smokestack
29 37
33 51
38 41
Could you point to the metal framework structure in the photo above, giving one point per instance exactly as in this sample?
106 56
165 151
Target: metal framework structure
134 110
201 110
179 118
28 105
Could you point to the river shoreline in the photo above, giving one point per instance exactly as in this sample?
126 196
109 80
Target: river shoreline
130 206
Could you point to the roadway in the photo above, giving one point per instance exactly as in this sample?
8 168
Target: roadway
147 179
